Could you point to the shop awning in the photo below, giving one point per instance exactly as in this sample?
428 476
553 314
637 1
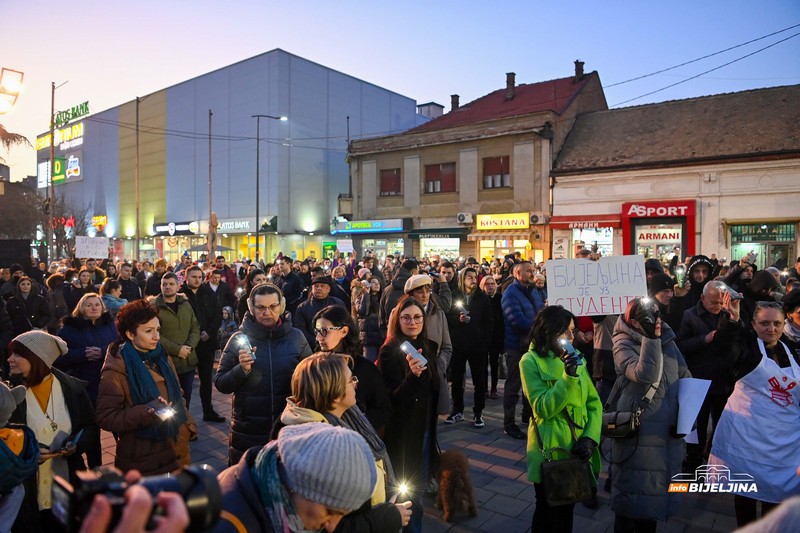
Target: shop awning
501 235
437 233
586 221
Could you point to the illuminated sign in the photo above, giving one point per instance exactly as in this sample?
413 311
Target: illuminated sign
62 117
66 138
390 225
99 222
503 221
176 228
65 170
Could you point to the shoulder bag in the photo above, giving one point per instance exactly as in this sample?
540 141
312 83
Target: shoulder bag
621 424
566 481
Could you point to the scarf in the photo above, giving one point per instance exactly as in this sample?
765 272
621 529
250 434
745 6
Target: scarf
355 420
274 496
144 389
792 331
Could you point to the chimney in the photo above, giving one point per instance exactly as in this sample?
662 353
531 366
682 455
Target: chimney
578 70
510 82
453 102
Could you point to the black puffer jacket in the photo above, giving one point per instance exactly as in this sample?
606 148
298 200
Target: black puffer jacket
27 313
260 396
368 329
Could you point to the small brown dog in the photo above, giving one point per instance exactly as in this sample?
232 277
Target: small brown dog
455 487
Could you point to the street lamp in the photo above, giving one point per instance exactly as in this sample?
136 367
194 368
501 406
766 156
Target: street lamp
258 169
10 87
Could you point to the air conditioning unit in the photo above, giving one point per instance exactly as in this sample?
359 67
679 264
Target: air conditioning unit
539 218
464 218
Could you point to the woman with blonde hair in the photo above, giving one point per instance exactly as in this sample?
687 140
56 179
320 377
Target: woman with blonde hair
324 391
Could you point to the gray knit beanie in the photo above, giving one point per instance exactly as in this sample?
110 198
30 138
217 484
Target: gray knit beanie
329 465
47 347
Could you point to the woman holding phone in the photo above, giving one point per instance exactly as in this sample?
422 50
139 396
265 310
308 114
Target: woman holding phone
58 410
140 399
407 362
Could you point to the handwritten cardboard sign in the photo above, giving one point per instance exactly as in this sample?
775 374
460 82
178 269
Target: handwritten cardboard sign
603 287
91 247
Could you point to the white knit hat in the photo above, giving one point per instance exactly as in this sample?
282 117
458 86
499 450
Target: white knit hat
416 281
47 347
329 465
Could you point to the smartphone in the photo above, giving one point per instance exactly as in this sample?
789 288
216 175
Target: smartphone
409 349
162 410
244 344
569 348
680 276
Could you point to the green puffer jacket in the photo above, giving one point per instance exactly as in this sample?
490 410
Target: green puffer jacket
550 390
178 329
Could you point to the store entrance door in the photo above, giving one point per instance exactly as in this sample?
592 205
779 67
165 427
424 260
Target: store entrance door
781 254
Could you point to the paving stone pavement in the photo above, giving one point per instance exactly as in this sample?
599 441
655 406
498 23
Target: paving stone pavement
499 475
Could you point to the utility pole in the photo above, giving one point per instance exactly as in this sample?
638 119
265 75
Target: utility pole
50 225
211 230
136 180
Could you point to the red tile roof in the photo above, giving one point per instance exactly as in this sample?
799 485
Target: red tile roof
552 95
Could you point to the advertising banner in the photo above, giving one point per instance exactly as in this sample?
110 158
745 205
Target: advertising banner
603 287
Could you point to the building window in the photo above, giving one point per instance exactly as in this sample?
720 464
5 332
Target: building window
390 182
496 172
440 178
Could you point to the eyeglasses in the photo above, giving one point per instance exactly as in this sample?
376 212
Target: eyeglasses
354 381
408 319
273 309
323 332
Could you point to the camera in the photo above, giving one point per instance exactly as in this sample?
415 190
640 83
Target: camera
197 484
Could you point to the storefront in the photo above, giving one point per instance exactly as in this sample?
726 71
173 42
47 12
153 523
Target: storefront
505 233
659 229
773 242
171 239
442 242
595 232
374 237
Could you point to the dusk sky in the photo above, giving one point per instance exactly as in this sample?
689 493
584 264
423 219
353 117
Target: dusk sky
111 52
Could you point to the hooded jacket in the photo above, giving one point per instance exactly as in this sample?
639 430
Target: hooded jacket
520 306
178 329
472 336
259 397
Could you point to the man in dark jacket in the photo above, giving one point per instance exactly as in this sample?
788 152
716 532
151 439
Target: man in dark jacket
392 293
260 381
318 300
470 323
700 272
152 285
519 310
669 298
696 339
221 290
290 284
130 288
209 315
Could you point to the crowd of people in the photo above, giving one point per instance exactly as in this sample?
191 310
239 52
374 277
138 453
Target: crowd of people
377 352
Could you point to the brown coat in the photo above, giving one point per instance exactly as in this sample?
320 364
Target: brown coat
116 413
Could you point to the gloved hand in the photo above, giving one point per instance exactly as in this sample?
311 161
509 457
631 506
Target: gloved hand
584 448
571 362
647 314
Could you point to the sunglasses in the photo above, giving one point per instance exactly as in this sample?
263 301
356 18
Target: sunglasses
323 332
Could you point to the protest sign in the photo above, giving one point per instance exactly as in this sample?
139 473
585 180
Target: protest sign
603 287
91 247
345 245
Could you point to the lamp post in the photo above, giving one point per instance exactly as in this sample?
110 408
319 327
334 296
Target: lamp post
52 190
258 170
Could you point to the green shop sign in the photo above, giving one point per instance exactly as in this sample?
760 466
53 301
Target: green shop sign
762 232
62 117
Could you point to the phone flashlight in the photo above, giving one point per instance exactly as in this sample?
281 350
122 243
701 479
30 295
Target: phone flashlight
244 343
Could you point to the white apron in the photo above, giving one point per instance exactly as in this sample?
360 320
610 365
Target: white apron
759 430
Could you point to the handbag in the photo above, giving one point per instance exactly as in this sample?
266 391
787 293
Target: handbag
566 481
622 424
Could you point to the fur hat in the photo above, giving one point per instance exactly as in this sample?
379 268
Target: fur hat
47 347
329 465
416 281
660 282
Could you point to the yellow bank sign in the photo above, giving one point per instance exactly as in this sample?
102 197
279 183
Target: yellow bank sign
66 138
503 221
